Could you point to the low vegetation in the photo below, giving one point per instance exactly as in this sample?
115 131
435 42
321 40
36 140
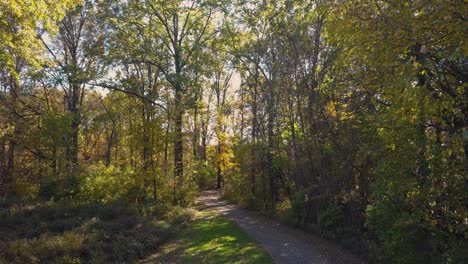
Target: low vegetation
80 233
211 239
115 232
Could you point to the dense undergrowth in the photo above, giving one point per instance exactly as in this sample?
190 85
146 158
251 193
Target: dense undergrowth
387 234
69 232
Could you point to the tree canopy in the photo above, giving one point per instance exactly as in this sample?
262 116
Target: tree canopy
347 118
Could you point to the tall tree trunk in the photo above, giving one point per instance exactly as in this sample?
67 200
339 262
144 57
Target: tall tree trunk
132 145
10 154
219 178
10 170
110 143
271 143
72 148
178 142
203 147
3 180
54 159
204 135
146 144
196 135
254 142
166 156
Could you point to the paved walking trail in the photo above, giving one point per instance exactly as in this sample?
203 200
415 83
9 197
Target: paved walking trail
285 244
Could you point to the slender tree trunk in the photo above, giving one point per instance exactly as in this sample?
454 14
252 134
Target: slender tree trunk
10 170
146 145
153 170
10 154
178 143
219 177
178 137
254 142
110 143
54 159
3 180
204 135
72 148
270 127
196 135
203 147
132 145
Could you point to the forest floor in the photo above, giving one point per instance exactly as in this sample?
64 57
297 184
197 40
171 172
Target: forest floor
210 238
285 244
63 232
213 232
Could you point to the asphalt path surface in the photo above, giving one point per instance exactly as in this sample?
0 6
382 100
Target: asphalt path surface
285 244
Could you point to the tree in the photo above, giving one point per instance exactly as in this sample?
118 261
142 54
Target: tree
20 49
19 22
77 51
170 36
409 66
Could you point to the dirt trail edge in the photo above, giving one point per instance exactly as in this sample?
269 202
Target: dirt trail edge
285 244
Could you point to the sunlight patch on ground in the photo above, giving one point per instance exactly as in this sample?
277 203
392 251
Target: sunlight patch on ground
211 239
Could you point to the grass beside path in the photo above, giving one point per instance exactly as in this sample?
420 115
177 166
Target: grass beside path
211 238
68 233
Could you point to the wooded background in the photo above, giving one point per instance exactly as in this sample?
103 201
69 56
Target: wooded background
347 118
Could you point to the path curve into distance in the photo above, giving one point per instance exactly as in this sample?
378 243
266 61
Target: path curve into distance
286 245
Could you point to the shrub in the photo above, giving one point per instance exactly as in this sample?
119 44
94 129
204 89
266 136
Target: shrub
106 184
180 216
25 190
331 220
63 232
205 177
406 237
58 189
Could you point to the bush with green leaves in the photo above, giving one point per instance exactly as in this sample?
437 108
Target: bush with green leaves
105 184
60 188
205 176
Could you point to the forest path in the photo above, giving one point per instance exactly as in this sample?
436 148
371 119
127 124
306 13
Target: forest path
285 244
